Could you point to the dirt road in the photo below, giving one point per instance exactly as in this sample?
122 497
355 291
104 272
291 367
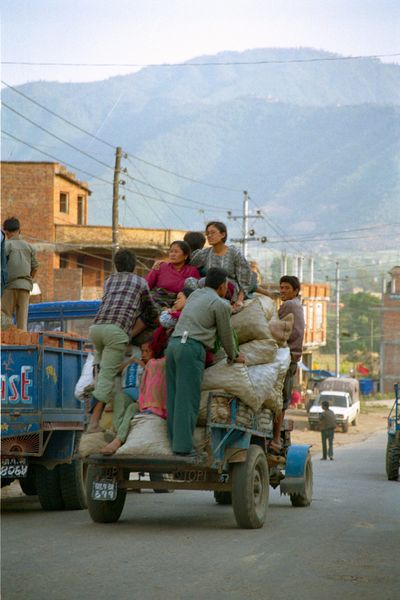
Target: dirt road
370 420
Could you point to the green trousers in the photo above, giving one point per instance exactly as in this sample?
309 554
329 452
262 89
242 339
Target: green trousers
110 343
185 367
124 409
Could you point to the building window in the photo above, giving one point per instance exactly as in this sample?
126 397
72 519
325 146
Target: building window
64 202
64 261
81 210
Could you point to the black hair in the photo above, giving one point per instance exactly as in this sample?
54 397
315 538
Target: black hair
325 404
195 239
184 246
187 290
125 260
11 224
221 228
291 280
214 277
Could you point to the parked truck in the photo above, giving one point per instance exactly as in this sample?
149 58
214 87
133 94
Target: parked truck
393 441
42 421
343 395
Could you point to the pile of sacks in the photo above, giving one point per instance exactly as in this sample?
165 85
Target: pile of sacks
258 383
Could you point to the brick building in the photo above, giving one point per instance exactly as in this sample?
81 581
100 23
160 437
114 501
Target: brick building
75 258
390 339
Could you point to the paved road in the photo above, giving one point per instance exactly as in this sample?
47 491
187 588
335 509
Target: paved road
182 546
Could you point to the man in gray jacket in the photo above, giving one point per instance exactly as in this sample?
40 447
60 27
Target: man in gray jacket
205 316
22 266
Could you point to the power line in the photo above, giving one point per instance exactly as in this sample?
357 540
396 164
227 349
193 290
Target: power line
203 64
155 188
55 158
57 137
133 156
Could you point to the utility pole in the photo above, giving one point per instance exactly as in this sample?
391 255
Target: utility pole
247 236
245 222
337 321
115 213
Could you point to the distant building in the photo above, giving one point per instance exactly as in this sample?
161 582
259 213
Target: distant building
390 339
75 258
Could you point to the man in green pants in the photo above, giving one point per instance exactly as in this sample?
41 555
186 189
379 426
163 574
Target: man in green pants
205 316
126 297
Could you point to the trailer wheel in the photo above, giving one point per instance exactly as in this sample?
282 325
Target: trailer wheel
392 459
223 497
103 511
49 488
305 498
28 483
73 485
345 426
250 489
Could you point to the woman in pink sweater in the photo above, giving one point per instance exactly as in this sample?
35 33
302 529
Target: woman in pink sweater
168 278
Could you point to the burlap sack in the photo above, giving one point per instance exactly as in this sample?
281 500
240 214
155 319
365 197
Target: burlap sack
203 408
281 329
251 323
274 398
233 379
259 352
263 379
92 443
148 435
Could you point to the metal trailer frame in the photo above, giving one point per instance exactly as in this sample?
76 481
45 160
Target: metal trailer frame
238 469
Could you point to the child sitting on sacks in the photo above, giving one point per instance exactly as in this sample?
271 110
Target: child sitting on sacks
125 402
151 396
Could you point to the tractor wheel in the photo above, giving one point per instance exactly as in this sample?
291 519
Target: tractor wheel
250 489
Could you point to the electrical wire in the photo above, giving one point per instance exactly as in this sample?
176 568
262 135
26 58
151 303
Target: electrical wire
205 63
57 137
130 155
55 158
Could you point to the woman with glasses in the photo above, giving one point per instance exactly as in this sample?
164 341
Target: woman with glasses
227 257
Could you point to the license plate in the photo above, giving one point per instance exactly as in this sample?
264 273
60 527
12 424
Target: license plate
104 490
14 467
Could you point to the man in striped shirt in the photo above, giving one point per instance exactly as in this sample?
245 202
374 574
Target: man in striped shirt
126 297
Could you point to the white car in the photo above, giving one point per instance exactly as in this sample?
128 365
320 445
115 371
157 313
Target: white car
346 410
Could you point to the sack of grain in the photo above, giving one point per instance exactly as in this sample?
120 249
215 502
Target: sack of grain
281 329
92 443
274 398
259 352
233 379
148 435
251 323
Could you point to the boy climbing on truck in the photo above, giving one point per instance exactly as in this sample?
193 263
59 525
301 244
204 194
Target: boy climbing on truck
126 297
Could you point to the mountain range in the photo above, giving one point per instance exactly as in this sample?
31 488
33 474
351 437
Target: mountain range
313 139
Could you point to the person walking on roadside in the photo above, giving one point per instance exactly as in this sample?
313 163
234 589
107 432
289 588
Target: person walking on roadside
126 297
22 266
205 316
327 425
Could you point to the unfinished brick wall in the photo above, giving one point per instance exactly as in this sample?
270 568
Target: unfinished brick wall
391 340
70 281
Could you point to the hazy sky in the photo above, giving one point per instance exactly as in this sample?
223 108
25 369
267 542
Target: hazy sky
157 31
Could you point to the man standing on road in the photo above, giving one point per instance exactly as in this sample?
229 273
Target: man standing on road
289 287
22 266
205 316
327 425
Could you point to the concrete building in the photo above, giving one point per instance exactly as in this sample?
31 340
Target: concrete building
75 258
390 338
